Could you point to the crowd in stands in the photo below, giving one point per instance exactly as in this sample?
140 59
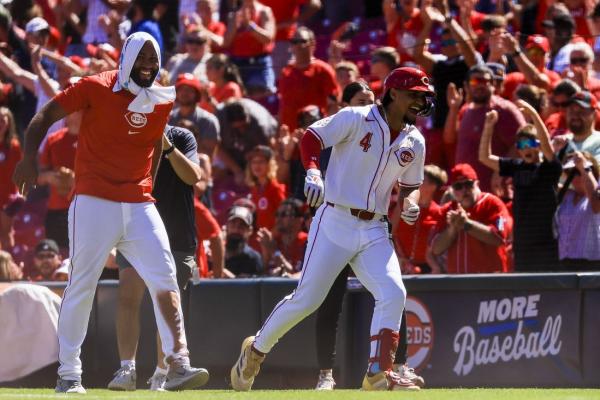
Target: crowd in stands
511 182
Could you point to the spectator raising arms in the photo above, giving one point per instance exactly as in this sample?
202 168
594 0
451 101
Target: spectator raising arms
535 181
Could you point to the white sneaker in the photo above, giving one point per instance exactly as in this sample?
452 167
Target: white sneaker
157 382
409 373
185 377
69 386
326 381
246 368
125 379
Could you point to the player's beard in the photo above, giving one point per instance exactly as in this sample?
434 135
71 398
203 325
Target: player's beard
410 118
135 76
234 243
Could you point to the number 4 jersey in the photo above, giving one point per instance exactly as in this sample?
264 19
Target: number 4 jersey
364 165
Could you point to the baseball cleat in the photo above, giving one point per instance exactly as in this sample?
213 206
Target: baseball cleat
184 377
387 380
246 368
125 379
326 381
69 386
409 373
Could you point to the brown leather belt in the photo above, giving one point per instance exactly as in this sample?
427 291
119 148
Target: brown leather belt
360 214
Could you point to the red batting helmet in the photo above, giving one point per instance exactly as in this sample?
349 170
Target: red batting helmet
408 78
413 79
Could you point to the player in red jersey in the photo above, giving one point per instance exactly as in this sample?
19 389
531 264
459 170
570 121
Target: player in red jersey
120 144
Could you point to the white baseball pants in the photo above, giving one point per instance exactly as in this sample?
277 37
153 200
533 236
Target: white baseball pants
96 226
335 239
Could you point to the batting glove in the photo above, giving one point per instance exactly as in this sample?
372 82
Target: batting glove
314 190
410 212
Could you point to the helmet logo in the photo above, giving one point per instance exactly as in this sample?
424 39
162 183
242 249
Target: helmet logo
425 81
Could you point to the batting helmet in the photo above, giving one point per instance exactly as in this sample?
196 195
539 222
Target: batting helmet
413 79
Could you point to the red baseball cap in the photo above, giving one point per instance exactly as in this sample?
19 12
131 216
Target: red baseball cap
462 172
408 78
539 42
188 79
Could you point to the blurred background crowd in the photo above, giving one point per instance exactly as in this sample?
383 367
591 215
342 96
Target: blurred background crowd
511 182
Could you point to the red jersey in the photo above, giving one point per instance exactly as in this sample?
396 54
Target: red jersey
245 44
115 146
294 252
318 82
414 239
9 157
267 200
285 11
403 35
59 151
467 255
514 79
207 228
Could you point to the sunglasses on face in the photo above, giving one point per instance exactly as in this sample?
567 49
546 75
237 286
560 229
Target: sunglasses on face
463 185
528 143
295 41
479 81
579 60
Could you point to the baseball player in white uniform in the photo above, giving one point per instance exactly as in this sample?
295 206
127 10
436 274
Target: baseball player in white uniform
375 148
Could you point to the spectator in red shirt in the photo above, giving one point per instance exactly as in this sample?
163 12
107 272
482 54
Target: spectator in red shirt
265 191
225 82
554 115
207 228
581 59
471 120
403 22
249 38
214 30
283 247
287 15
531 64
10 155
412 241
57 163
315 77
474 227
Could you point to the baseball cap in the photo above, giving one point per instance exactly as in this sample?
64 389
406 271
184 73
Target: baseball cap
539 42
46 245
260 150
498 71
462 172
36 24
188 79
560 21
584 99
242 213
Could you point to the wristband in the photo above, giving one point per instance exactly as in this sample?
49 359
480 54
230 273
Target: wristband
169 150
448 19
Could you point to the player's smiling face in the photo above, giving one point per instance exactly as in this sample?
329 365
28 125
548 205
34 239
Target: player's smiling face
410 103
146 66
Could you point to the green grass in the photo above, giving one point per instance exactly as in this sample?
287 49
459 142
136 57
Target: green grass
428 394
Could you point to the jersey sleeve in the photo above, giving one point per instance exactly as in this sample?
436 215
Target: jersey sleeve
76 97
336 128
413 175
185 142
497 217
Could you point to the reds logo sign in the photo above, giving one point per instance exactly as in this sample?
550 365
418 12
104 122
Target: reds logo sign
419 329
405 156
136 120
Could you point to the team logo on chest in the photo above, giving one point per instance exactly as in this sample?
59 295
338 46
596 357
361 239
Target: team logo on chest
136 120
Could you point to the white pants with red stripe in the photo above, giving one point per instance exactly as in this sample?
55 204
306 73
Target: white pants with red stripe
337 238
96 226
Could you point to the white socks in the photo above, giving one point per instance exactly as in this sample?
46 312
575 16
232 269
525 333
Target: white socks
160 371
129 363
